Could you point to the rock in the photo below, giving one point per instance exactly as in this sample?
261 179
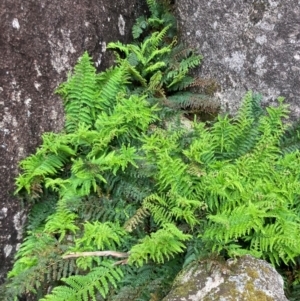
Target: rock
247 45
246 279
40 41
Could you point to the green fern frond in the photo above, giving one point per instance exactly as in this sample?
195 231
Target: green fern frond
236 223
136 53
36 168
161 245
40 211
111 83
151 44
37 259
175 180
79 94
155 85
86 177
290 140
138 28
181 82
93 208
159 53
118 46
172 207
238 136
86 287
154 67
136 219
56 143
178 53
28 255
133 112
62 222
100 236
159 208
190 62
191 101
149 282
135 74
202 150
153 6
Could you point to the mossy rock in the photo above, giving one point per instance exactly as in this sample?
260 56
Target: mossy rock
245 279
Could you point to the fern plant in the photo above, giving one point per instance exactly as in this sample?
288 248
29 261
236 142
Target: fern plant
85 164
157 62
72 167
160 16
120 196
228 188
161 67
237 172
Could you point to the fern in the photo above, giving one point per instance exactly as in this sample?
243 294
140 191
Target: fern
85 287
140 25
160 16
79 94
173 207
40 211
100 236
164 243
38 167
62 222
37 260
290 141
147 282
123 181
136 219
111 83
48 160
157 54
244 188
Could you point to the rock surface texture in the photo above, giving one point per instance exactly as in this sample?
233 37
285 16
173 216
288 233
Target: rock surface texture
39 43
247 45
247 279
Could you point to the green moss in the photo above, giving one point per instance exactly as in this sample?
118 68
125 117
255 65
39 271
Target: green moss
252 294
231 293
252 273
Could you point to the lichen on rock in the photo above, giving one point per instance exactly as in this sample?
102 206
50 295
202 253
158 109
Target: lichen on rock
243 279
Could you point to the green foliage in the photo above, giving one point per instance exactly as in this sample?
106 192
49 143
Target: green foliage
87 94
38 261
239 170
290 141
149 282
122 201
86 163
79 93
85 287
164 243
160 16
157 63
47 161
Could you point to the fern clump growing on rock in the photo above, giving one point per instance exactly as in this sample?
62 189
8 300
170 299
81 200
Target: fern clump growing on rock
122 201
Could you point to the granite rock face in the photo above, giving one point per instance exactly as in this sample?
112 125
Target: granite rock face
247 45
40 41
247 279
